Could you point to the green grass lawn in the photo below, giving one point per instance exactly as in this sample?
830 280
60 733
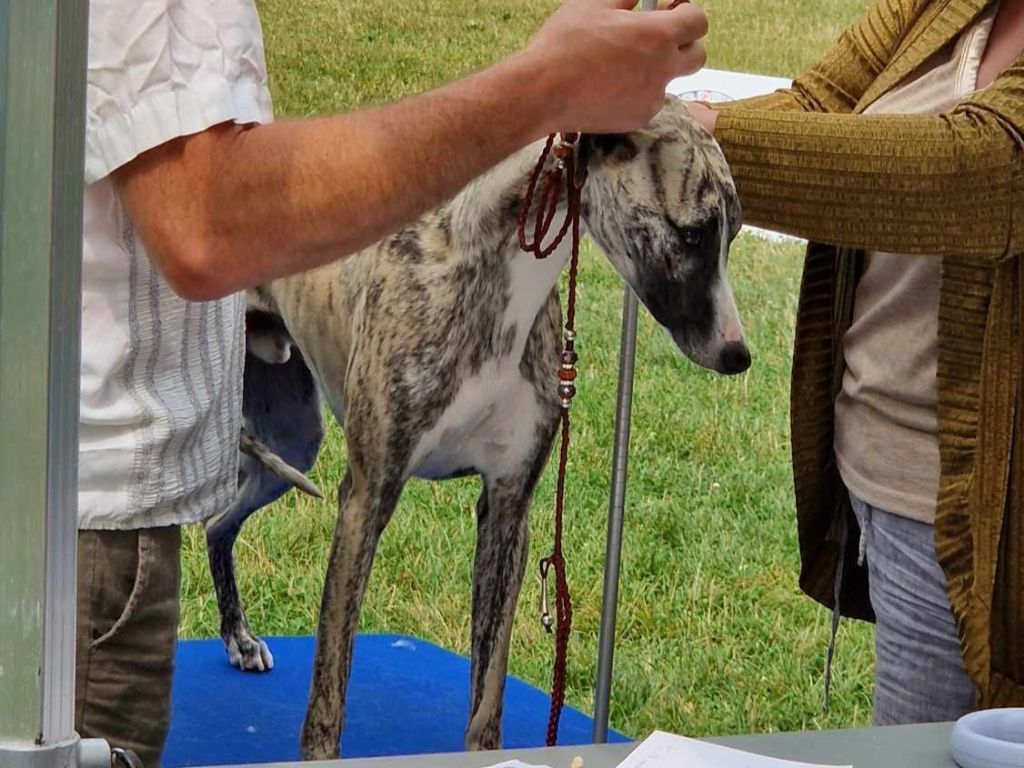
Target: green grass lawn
714 636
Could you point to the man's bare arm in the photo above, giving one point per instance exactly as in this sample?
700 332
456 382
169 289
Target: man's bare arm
235 206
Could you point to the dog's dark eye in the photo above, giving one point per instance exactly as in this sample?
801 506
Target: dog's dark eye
692 236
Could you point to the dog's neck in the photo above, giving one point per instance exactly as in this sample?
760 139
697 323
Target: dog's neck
484 230
485 214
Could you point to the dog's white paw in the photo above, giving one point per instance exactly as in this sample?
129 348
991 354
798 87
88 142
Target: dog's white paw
249 653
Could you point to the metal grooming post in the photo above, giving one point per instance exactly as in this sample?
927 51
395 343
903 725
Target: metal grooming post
616 507
42 114
616 510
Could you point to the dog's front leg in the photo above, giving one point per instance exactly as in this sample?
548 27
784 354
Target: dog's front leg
501 546
364 509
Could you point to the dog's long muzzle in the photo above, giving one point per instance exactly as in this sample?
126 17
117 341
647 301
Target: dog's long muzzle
732 356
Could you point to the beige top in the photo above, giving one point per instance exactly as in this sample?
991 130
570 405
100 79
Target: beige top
886 430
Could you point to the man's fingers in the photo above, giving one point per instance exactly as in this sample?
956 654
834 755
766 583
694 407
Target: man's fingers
626 57
691 58
621 5
688 23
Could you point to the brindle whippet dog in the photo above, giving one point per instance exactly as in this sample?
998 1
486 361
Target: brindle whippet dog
437 350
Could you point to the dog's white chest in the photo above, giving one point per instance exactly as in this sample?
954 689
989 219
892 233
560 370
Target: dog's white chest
490 427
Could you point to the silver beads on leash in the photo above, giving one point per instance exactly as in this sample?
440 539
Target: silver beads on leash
567 370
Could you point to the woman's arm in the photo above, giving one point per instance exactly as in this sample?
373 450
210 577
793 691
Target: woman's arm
905 183
838 81
902 183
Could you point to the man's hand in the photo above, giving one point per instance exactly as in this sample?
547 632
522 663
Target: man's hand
236 206
614 63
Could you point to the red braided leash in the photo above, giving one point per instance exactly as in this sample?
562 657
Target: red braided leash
550 182
562 175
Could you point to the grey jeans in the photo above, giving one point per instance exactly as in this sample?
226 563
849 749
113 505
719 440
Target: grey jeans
918 673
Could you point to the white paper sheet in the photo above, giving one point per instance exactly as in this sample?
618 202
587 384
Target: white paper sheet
664 750
518 764
722 85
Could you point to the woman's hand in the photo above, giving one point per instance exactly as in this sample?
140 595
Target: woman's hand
703 114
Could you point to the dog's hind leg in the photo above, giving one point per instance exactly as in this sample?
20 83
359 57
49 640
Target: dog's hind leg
501 550
283 429
245 650
364 509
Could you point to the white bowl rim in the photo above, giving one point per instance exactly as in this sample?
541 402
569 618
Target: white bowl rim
968 741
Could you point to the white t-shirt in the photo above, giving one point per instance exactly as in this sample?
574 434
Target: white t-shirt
161 377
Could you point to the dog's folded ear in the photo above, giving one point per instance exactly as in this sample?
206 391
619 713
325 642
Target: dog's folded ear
614 147
582 159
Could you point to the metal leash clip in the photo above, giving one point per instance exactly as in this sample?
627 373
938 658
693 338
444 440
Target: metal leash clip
545 614
124 758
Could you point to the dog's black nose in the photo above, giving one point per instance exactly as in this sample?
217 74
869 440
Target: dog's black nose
734 358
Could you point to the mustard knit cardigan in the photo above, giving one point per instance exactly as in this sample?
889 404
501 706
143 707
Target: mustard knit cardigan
807 163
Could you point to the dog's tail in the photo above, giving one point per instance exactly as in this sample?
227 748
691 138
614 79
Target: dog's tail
261 452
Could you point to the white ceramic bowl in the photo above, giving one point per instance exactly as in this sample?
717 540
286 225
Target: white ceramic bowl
991 738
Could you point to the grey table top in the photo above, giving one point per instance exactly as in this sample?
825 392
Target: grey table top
906 746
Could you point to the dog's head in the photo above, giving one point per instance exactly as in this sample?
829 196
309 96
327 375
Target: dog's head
662 205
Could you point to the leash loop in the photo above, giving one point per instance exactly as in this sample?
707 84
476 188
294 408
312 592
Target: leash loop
545 185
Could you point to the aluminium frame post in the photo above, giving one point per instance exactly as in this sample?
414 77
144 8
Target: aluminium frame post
42 116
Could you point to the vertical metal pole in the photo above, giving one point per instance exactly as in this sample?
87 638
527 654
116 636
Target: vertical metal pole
42 115
616 512
616 508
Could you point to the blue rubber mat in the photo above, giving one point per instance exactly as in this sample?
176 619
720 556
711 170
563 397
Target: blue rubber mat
406 696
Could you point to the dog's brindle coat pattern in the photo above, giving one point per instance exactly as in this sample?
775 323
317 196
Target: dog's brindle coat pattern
437 350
